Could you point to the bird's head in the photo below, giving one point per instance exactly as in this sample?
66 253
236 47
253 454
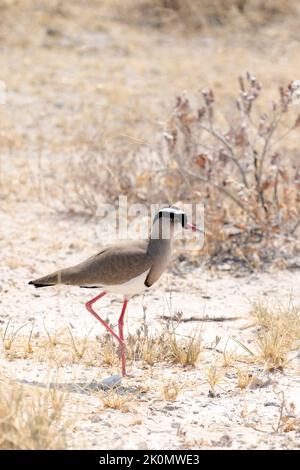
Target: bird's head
170 219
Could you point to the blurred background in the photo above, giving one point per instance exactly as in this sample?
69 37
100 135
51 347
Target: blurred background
91 88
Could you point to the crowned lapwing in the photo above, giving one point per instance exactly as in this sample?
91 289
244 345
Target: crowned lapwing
126 268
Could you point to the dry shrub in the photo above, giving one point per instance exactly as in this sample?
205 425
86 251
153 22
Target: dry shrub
198 14
190 15
234 161
249 184
102 174
29 420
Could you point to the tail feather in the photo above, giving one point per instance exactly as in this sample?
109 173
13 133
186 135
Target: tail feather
75 275
58 277
36 284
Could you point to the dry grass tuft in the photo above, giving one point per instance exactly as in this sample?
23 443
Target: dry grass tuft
10 335
279 333
115 400
146 347
171 390
273 349
30 420
229 357
165 346
244 378
214 376
80 346
185 351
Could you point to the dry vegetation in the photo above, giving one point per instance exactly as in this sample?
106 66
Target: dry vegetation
30 419
96 108
36 418
278 334
61 347
195 15
233 151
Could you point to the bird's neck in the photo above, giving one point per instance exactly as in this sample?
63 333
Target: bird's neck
160 245
160 251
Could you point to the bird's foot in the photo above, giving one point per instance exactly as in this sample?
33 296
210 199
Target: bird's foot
129 376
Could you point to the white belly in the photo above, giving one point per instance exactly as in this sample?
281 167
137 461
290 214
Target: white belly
135 286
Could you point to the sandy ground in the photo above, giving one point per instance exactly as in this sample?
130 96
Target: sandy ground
233 418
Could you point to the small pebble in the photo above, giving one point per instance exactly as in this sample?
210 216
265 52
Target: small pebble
111 381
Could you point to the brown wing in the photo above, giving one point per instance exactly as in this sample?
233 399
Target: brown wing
113 265
117 265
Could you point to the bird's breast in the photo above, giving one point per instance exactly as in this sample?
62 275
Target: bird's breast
134 286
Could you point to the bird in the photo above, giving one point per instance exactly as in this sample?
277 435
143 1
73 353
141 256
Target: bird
128 268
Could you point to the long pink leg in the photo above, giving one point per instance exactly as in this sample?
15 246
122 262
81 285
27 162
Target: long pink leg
121 335
120 338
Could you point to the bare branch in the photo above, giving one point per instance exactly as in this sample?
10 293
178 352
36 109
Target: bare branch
221 189
232 156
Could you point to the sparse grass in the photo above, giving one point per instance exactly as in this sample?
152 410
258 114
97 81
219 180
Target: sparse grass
54 338
244 378
273 349
62 347
279 333
80 346
229 356
165 346
288 420
284 319
214 376
146 347
10 335
47 407
108 350
115 400
29 419
185 351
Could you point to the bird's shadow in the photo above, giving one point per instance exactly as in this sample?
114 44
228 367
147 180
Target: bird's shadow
82 387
